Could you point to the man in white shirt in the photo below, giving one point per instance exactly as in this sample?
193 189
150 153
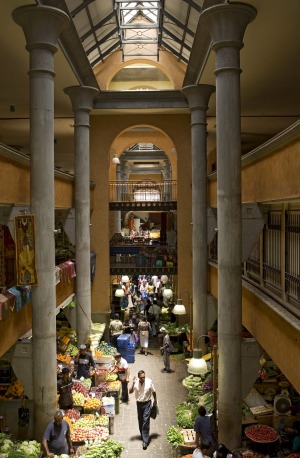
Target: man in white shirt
121 368
143 389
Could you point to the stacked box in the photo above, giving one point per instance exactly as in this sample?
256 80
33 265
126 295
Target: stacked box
123 341
128 354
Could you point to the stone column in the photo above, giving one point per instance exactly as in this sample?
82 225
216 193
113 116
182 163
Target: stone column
82 102
118 219
198 97
42 26
227 24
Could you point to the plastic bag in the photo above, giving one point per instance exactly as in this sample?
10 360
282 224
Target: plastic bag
197 453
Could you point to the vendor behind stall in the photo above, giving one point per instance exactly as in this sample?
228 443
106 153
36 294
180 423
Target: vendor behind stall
84 363
64 388
121 368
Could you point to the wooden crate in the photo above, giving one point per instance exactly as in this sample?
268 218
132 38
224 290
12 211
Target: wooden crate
189 436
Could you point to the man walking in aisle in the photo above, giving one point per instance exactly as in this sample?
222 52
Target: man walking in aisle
144 390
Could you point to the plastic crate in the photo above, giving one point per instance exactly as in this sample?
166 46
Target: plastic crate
131 345
123 340
127 352
130 358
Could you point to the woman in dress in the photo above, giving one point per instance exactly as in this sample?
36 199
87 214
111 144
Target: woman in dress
143 333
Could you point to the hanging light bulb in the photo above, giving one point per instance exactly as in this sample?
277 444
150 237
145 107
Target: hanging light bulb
119 291
197 365
179 308
115 159
167 292
125 279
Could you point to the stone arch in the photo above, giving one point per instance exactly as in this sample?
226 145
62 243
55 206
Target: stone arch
128 137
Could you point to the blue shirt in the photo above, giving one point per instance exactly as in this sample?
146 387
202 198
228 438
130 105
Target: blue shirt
56 435
202 426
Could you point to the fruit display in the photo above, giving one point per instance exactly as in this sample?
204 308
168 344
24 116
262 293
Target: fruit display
66 331
99 433
92 404
90 420
100 389
261 433
14 391
79 388
78 399
111 377
87 383
72 350
73 414
114 386
66 359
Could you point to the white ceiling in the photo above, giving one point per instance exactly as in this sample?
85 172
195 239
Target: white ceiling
270 80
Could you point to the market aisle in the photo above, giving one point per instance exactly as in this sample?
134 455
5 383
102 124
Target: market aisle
170 392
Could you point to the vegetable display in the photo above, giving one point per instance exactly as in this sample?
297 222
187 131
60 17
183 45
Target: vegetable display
261 433
174 437
107 449
106 349
25 449
186 414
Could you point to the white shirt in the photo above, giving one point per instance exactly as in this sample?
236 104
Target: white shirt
143 392
122 366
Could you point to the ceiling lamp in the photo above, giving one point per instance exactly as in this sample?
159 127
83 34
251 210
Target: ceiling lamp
164 279
179 308
125 279
119 291
115 159
167 292
197 365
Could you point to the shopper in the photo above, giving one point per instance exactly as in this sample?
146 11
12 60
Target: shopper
153 317
166 348
56 439
116 329
121 368
204 435
84 363
64 389
296 441
144 390
143 333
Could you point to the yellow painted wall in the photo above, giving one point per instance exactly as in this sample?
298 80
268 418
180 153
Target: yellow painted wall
168 63
275 332
270 179
110 133
15 186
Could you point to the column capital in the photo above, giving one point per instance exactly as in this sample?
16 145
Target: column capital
41 25
227 23
82 97
198 95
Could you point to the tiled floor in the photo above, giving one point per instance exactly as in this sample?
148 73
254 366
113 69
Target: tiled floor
170 392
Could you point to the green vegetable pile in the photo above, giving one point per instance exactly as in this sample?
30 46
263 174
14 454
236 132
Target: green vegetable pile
106 349
106 449
186 414
174 437
25 449
197 387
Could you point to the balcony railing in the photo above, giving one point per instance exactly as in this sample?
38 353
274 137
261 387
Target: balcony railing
143 191
274 263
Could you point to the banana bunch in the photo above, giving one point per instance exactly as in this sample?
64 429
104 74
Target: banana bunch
15 391
72 350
